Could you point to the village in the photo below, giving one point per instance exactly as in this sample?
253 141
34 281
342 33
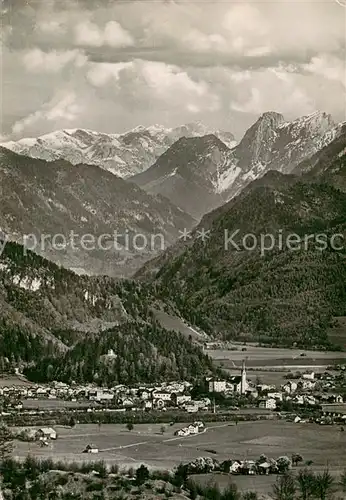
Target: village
323 393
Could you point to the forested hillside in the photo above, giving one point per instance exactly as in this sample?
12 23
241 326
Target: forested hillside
280 296
58 325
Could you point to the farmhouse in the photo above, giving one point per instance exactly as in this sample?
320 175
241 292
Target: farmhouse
46 433
267 403
90 448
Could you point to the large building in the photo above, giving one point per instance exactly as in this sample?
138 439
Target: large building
217 385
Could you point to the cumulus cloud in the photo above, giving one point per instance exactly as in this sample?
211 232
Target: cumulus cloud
150 62
53 61
52 26
328 66
89 34
62 108
100 74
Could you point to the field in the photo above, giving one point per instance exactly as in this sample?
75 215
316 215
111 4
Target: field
14 380
324 445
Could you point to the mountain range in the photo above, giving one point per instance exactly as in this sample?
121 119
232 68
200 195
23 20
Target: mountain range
199 174
279 296
121 154
44 199
59 326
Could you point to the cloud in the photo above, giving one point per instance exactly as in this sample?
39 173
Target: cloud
62 108
52 26
52 62
328 66
169 62
100 74
263 90
89 34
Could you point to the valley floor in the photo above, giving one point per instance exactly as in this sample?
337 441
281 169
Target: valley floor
324 445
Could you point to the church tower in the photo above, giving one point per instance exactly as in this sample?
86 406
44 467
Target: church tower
243 385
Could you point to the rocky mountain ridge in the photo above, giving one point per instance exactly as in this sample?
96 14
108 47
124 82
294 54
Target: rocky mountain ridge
199 174
124 225
123 154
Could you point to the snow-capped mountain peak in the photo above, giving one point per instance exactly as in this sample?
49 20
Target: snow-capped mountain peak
123 154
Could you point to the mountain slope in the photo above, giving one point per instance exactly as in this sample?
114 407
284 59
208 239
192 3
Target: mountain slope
121 154
274 144
278 296
328 164
53 199
189 174
52 319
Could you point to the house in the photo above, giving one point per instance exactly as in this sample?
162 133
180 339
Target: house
46 433
235 467
193 429
307 384
90 448
217 385
180 399
163 395
267 403
147 405
180 432
192 408
100 395
308 376
275 395
200 425
290 387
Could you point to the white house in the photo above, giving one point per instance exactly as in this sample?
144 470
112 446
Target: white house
267 403
182 398
46 433
193 429
290 387
192 408
163 395
90 448
217 385
100 395
275 395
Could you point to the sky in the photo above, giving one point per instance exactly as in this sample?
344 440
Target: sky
112 65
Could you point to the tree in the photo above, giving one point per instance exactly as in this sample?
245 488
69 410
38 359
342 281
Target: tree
305 481
6 443
296 458
129 426
142 474
284 488
180 475
343 481
250 495
284 464
72 422
323 485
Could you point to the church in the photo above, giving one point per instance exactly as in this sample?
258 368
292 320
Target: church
239 382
